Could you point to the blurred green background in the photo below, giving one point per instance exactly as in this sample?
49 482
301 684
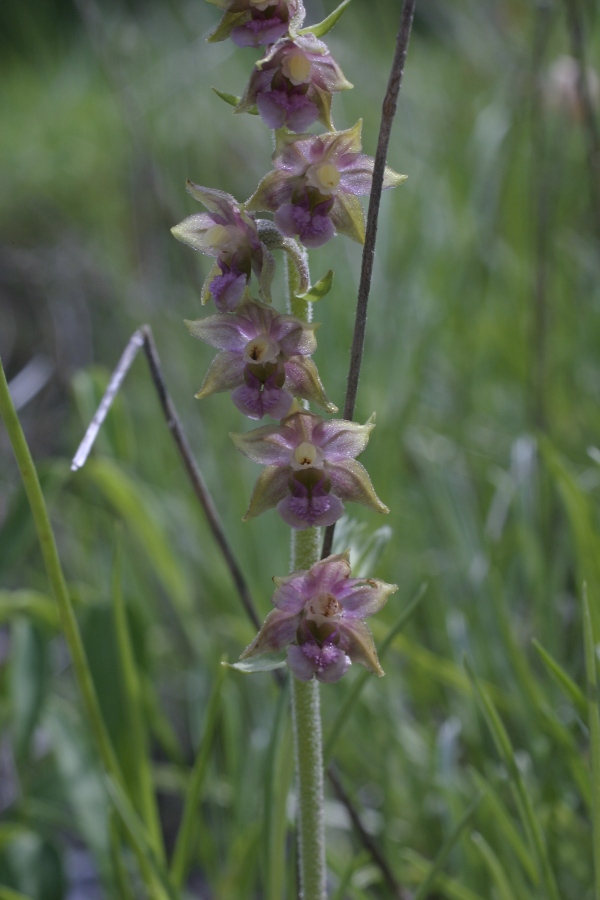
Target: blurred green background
481 362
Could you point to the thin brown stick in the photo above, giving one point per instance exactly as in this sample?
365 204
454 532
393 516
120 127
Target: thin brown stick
397 891
143 337
576 28
388 112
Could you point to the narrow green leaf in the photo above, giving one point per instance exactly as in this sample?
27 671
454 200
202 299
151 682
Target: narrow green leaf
231 99
494 865
28 681
318 290
264 663
33 604
570 689
279 771
446 849
140 781
182 852
503 821
590 651
327 24
447 887
526 810
350 700
139 838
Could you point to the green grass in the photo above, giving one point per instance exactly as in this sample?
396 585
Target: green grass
493 506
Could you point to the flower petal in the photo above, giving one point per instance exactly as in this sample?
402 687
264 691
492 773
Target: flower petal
350 481
328 573
278 630
365 598
356 639
269 445
302 667
217 202
192 232
348 217
225 373
271 486
342 439
301 512
302 379
290 594
223 331
273 190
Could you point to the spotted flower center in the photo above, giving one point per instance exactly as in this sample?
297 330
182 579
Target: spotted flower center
261 349
306 455
325 177
296 68
324 606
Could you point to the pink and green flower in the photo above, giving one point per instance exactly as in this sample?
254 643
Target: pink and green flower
252 23
319 617
264 360
311 469
314 188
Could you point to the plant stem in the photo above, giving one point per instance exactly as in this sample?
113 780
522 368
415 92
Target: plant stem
366 273
308 745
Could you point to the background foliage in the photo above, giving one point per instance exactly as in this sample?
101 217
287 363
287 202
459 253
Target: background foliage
482 365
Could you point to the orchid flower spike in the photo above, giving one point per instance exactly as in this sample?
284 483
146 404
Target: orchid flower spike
314 187
319 616
264 359
311 469
227 232
292 85
252 23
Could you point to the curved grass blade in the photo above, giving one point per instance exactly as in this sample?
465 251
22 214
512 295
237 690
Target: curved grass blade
137 744
526 811
591 672
505 892
185 836
327 24
33 604
570 689
446 849
352 696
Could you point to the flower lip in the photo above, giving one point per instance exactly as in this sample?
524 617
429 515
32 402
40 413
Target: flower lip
296 67
324 606
306 456
261 349
325 177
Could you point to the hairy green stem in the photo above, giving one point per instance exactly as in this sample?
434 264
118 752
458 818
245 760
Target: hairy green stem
308 745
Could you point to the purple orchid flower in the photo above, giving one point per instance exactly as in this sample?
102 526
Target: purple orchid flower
311 469
228 233
319 616
252 23
292 85
264 359
315 186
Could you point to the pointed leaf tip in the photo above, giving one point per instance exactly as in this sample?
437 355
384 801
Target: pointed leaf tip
327 24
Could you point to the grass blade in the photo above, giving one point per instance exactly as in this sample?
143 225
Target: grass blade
446 849
494 865
279 771
528 817
185 836
570 689
594 719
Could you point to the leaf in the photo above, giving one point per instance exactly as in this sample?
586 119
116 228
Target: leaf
505 892
570 689
318 290
590 652
277 779
327 24
37 867
28 681
446 849
32 604
182 852
524 803
264 663
231 99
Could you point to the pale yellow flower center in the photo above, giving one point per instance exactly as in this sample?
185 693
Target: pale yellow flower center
216 236
296 67
305 454
261 349
325 177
